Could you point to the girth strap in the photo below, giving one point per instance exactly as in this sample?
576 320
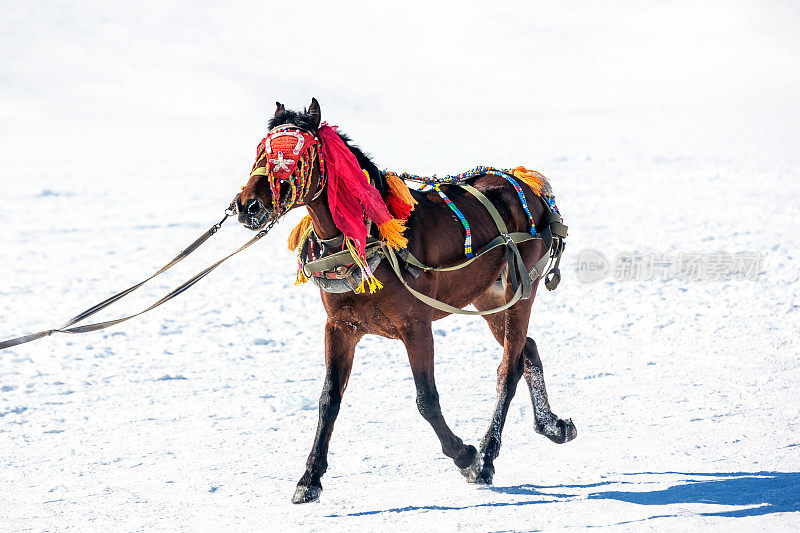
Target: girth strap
515 264
517 273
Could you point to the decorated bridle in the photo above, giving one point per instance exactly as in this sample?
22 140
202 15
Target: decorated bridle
287 154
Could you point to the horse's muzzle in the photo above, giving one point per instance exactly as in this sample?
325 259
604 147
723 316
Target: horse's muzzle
253 214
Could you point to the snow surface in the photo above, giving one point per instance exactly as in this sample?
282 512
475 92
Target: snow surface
664 128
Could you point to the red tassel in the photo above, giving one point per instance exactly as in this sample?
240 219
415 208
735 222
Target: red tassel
397 207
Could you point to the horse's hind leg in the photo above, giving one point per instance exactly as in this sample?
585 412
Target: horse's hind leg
418 339
340 345
520 357
509 328
548 424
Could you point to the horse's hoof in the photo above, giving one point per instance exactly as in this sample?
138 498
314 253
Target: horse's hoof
306 493
474 467
567 430
467 457
559 431
485 476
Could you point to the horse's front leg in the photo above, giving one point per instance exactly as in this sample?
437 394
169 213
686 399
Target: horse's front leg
509 329
418 339
340 345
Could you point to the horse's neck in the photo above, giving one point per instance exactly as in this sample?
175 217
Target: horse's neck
322 218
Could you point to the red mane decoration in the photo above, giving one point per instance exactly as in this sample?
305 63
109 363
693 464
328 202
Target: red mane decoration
350 196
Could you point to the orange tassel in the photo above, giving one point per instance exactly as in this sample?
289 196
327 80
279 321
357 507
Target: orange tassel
392 233
301 277
531 178
400 189
299 231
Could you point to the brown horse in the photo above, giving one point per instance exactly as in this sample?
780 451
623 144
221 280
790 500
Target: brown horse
435 237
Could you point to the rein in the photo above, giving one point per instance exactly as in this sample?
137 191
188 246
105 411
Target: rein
70 327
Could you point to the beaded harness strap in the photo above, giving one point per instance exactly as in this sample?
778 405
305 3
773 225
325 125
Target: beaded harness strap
434 182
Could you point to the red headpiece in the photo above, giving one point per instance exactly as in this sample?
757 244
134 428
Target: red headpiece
287 154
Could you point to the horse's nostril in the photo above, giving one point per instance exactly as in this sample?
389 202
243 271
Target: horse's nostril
253 206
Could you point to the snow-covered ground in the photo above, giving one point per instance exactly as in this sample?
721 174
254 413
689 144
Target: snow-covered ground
665 129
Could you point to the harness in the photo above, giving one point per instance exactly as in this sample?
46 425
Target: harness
338 266
327 269
286 155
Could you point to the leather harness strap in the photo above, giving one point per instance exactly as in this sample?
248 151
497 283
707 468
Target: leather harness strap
552 237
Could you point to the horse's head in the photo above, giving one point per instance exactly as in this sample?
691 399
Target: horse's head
288 170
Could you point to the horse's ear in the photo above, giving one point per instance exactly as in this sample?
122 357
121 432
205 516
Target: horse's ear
279 108
314 112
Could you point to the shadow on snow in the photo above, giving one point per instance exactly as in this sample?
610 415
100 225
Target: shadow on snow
441 508
762 492
772 492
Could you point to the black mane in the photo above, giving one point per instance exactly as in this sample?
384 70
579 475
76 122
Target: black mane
366 163
305 121
302 120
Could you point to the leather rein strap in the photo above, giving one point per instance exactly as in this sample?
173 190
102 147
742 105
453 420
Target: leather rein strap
69 325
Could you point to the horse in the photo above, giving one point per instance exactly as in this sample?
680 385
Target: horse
434 236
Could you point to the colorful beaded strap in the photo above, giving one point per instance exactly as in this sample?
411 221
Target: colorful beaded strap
541 187
520 194
461 217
